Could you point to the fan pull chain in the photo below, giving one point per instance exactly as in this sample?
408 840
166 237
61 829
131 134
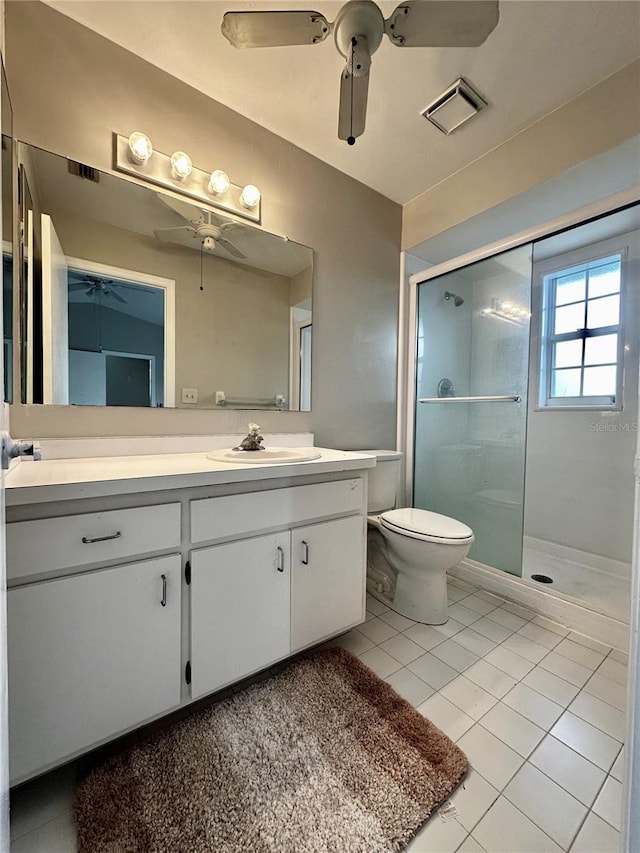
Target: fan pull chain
202 265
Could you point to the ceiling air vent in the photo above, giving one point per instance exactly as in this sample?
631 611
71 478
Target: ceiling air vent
454 107
83 171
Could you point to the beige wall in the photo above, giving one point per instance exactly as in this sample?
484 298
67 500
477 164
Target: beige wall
595 121
71 89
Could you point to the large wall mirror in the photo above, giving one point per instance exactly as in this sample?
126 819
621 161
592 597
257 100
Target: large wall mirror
6 168
129 301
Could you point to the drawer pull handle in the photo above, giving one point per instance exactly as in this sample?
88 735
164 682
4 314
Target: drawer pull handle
305 552
280 559
87 541
163 600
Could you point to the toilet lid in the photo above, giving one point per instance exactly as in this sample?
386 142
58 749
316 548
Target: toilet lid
422 523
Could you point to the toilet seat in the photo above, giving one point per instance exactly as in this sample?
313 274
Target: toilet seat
425 525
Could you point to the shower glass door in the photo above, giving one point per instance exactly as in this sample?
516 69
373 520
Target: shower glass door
472 364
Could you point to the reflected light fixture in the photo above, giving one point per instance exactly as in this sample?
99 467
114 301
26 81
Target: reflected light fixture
181 165
250 196
134 155
140 148
218 182
511 312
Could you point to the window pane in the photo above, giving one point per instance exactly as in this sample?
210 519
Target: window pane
601 350
569 354
566 383
599 381
604 279
570 318
603 312
570 288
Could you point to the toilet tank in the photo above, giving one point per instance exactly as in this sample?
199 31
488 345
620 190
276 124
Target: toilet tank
383 480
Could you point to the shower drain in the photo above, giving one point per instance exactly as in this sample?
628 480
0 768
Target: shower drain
542 578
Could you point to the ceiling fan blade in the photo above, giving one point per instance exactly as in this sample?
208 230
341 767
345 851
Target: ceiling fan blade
231 226
274 29
187 211
442 23
117 296
170 233
78 285
233 250
353 105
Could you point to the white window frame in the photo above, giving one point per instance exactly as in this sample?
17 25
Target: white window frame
544 340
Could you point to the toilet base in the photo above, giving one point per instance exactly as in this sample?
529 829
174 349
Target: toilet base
432 610
422 599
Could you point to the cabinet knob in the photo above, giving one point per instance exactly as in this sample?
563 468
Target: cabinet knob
305 553
280 566
163 600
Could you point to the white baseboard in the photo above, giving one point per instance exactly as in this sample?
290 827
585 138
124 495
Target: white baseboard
606 629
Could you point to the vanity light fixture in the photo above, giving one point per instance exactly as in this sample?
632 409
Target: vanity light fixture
134 155
250 196
181 165
218 182
140 148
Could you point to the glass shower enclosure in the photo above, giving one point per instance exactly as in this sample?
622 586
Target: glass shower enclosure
471 412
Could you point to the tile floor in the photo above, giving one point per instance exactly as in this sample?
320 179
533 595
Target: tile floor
539 711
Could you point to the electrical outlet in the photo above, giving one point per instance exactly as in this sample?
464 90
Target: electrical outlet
189 395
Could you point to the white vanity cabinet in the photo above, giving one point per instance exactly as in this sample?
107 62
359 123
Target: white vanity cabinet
90 655
134 603
326 581
260 598
240 610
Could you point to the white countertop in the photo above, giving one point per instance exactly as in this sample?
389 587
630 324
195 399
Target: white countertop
71 479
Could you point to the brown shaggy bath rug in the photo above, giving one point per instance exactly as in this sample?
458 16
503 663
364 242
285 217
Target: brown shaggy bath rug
322 757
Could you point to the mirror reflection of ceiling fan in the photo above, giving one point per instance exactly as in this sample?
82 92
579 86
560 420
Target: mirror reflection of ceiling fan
107 287
358 31
205 227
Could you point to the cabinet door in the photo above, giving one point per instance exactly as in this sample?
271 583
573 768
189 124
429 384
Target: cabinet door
239 610
327 579
90 656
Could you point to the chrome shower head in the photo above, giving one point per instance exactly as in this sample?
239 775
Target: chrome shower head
457 300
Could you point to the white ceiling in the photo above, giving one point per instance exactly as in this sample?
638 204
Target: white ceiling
541 54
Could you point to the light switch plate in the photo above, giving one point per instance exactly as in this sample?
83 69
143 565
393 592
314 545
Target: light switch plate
189 395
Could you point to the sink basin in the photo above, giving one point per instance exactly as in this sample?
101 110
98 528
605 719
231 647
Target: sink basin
270 455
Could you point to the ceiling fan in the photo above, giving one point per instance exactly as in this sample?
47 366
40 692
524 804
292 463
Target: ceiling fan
203 225
358 31
98 287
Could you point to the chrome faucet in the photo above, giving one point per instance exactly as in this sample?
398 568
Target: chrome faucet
251 441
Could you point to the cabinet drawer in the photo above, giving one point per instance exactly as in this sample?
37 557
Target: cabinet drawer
234 515
50 544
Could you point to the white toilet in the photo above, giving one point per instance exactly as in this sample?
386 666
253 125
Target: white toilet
409 550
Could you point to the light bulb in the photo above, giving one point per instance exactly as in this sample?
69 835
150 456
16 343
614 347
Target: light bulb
181 165
250 196
218 182
140 148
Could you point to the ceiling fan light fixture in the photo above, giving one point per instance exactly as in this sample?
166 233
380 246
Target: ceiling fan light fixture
218 182
140 148
181 165
250 196
454 107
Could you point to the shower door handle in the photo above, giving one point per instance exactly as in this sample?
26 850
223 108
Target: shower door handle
491 398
